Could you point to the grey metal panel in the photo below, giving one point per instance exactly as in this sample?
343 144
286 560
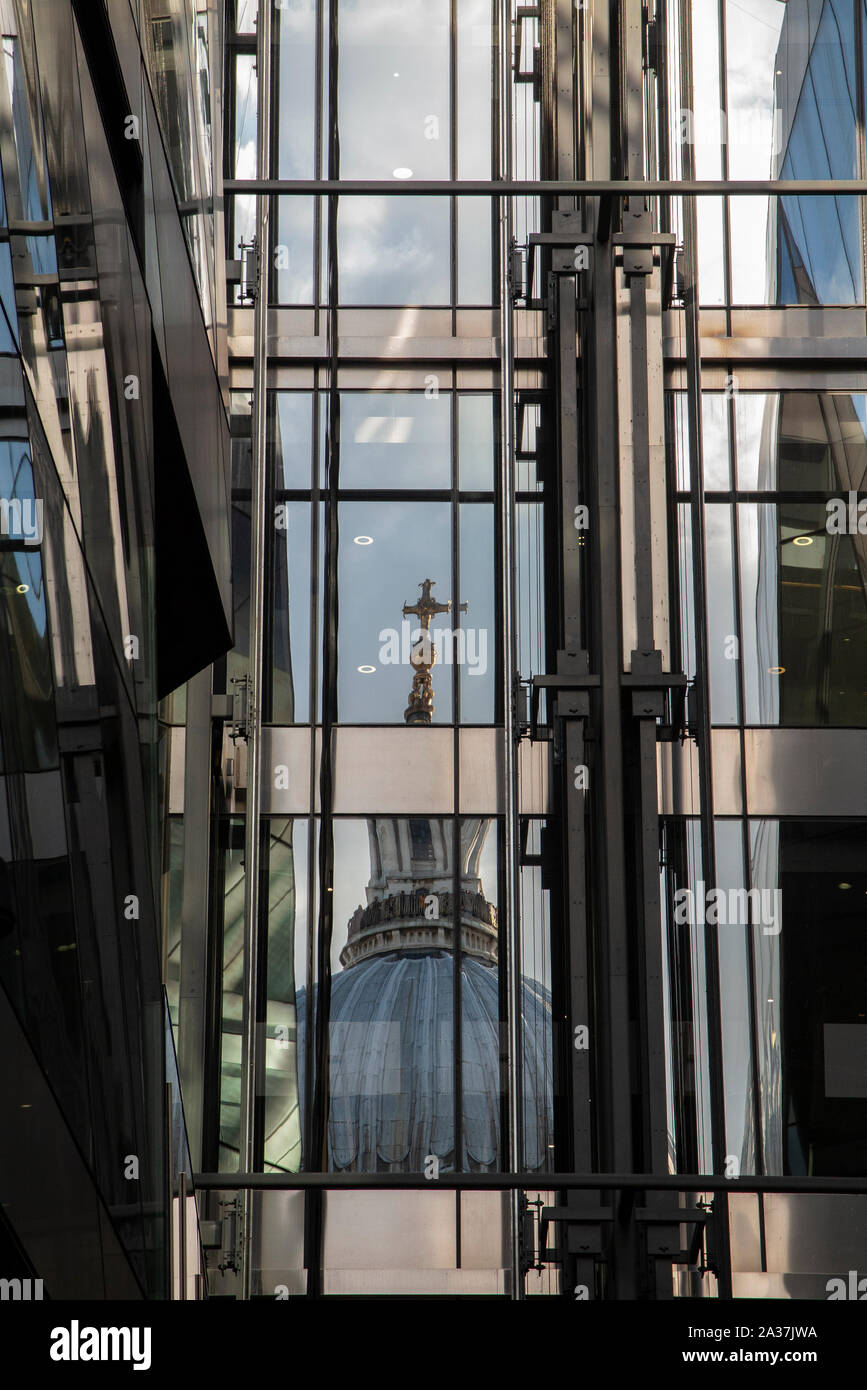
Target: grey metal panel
848 350
800 1286
678 775
394 323
808 375
397 1283
397 770
482 755
177 737
534 778
806 772
484 1230
289 749
400 770
744 1232
804 1233
390 1231
279 1241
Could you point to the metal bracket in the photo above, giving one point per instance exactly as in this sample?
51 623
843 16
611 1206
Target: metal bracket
575 683
241 714
251 271
231 1234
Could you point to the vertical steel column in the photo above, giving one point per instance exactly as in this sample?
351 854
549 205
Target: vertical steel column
613 1027
512 940
252 1055
700 609
572 705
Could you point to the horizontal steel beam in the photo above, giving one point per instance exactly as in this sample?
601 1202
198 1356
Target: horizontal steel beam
540 188
507 1182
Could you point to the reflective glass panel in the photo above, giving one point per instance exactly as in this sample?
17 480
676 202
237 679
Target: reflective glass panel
394 251
798 441
288 927
722 635
733 946
292 424
804 615
476 443
392 995
809 995
290 675
387 550
395 440
476 647
792 102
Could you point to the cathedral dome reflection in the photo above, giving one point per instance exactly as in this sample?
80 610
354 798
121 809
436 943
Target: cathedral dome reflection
393 1042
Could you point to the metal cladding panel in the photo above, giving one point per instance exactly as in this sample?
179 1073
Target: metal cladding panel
806 772
806 1233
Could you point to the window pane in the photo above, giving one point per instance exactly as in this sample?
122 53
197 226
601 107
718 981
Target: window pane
394 88
292 422
386 550
395 440
476 653
804 615
394 251
476 443
792 103
290 691
474 77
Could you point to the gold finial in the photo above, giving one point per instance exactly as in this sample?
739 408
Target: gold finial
423 655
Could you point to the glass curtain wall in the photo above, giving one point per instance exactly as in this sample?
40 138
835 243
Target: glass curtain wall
778 92
382 616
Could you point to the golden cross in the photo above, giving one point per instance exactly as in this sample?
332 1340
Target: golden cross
423 656
427 607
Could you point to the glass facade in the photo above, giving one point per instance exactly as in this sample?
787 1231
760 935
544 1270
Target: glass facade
434 646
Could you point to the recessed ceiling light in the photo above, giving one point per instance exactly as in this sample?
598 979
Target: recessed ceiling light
803 540
23 589
362 540
402 173
844 885
776 670
395 74
367 670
